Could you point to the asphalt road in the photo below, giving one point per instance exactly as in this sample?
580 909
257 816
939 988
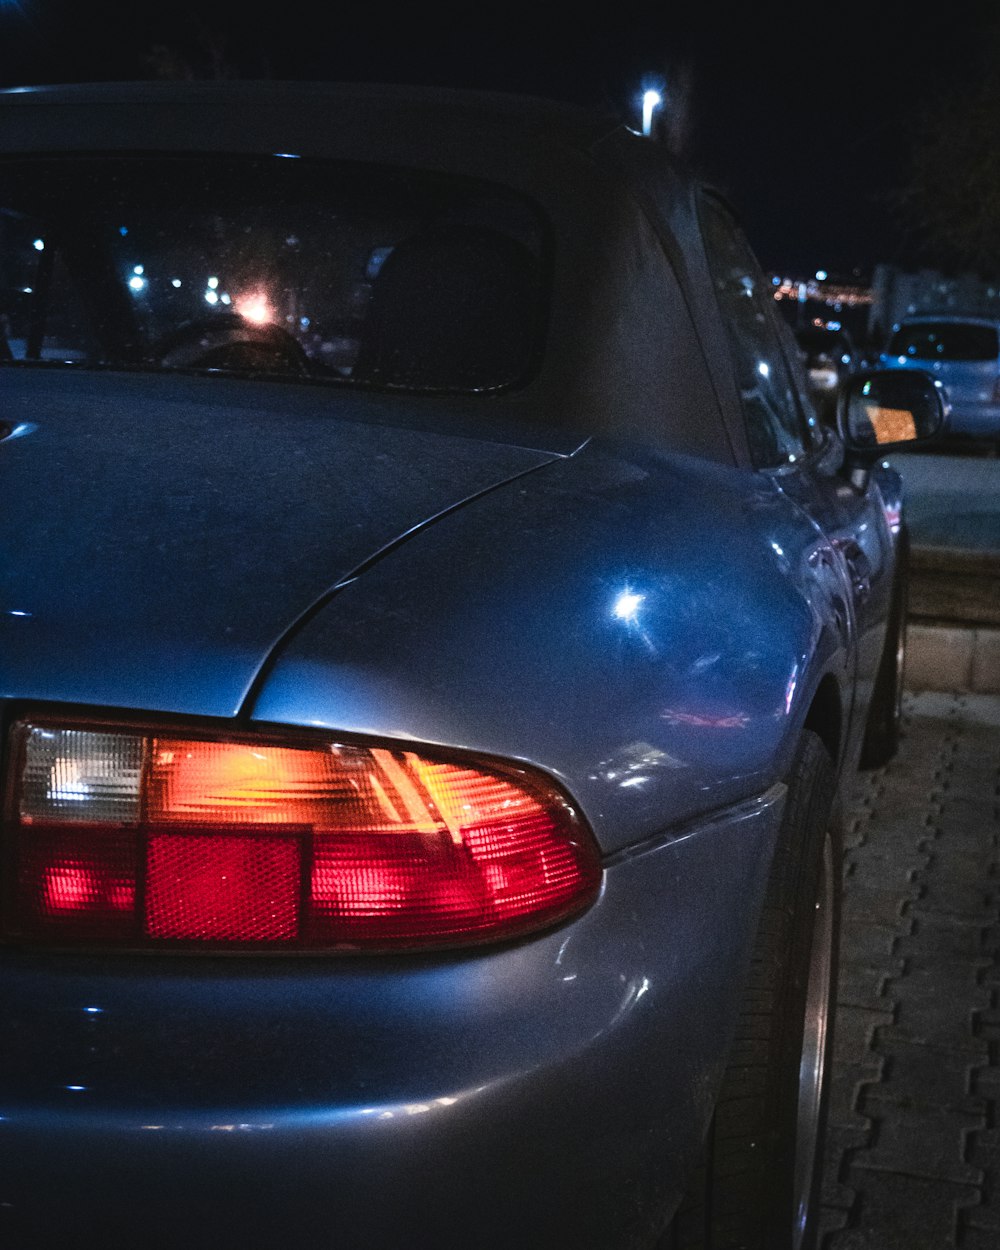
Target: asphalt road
952 501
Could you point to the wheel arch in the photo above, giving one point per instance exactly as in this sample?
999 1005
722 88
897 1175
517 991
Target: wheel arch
825 716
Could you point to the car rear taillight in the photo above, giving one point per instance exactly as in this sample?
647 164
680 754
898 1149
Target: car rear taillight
144 837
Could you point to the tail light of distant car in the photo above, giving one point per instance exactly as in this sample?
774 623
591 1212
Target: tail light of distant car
148 837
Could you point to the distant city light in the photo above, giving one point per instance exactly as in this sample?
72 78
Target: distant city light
175 282
39 245
821 275
211 297
138 269
136 283
833 294
213 283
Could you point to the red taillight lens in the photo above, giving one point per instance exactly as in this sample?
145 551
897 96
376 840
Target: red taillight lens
133 837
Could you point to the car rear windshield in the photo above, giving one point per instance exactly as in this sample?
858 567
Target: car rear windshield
277 266
944 340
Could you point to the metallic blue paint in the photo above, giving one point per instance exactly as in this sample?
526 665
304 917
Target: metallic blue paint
679 709
111 575
320 1080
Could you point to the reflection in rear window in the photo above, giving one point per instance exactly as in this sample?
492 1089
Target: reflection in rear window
334 271
932 340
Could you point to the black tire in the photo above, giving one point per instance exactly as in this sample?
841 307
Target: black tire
758 1185
885 714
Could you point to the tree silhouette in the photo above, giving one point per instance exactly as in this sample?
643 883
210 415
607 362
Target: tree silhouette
951 201
206 53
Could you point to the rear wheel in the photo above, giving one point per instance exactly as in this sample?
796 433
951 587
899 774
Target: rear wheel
757 1187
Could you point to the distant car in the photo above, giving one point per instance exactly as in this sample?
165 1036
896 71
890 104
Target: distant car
963 354
436 636
829 356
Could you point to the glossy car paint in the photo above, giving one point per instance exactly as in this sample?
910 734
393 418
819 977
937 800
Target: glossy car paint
657 703
272 1101
105 599
647 619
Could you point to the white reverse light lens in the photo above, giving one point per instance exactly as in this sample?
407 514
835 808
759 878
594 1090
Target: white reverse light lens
78 775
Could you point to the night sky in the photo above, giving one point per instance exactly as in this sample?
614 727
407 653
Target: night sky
802 113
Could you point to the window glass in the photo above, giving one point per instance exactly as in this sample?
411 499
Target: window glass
34 277
335 271
934 340
776 426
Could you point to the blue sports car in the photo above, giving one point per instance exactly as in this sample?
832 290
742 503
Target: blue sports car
435 635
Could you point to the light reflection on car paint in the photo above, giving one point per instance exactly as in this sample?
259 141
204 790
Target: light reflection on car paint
725 720
626 609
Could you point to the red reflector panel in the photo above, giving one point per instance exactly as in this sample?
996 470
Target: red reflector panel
236 888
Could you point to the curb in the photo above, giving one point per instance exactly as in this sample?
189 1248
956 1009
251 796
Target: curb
954 586
953 627
947 656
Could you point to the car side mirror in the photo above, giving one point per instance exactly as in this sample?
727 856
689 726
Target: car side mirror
883 410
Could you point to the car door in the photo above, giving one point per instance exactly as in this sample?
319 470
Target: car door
802 457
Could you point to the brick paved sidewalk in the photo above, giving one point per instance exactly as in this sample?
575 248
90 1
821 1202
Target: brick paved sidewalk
913 1157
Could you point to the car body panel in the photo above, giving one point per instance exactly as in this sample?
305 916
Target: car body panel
116 612
660 704
245 1086
861 556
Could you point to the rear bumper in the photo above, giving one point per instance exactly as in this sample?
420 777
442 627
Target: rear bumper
547 1094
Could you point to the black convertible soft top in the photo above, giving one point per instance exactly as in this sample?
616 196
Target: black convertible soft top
621 355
